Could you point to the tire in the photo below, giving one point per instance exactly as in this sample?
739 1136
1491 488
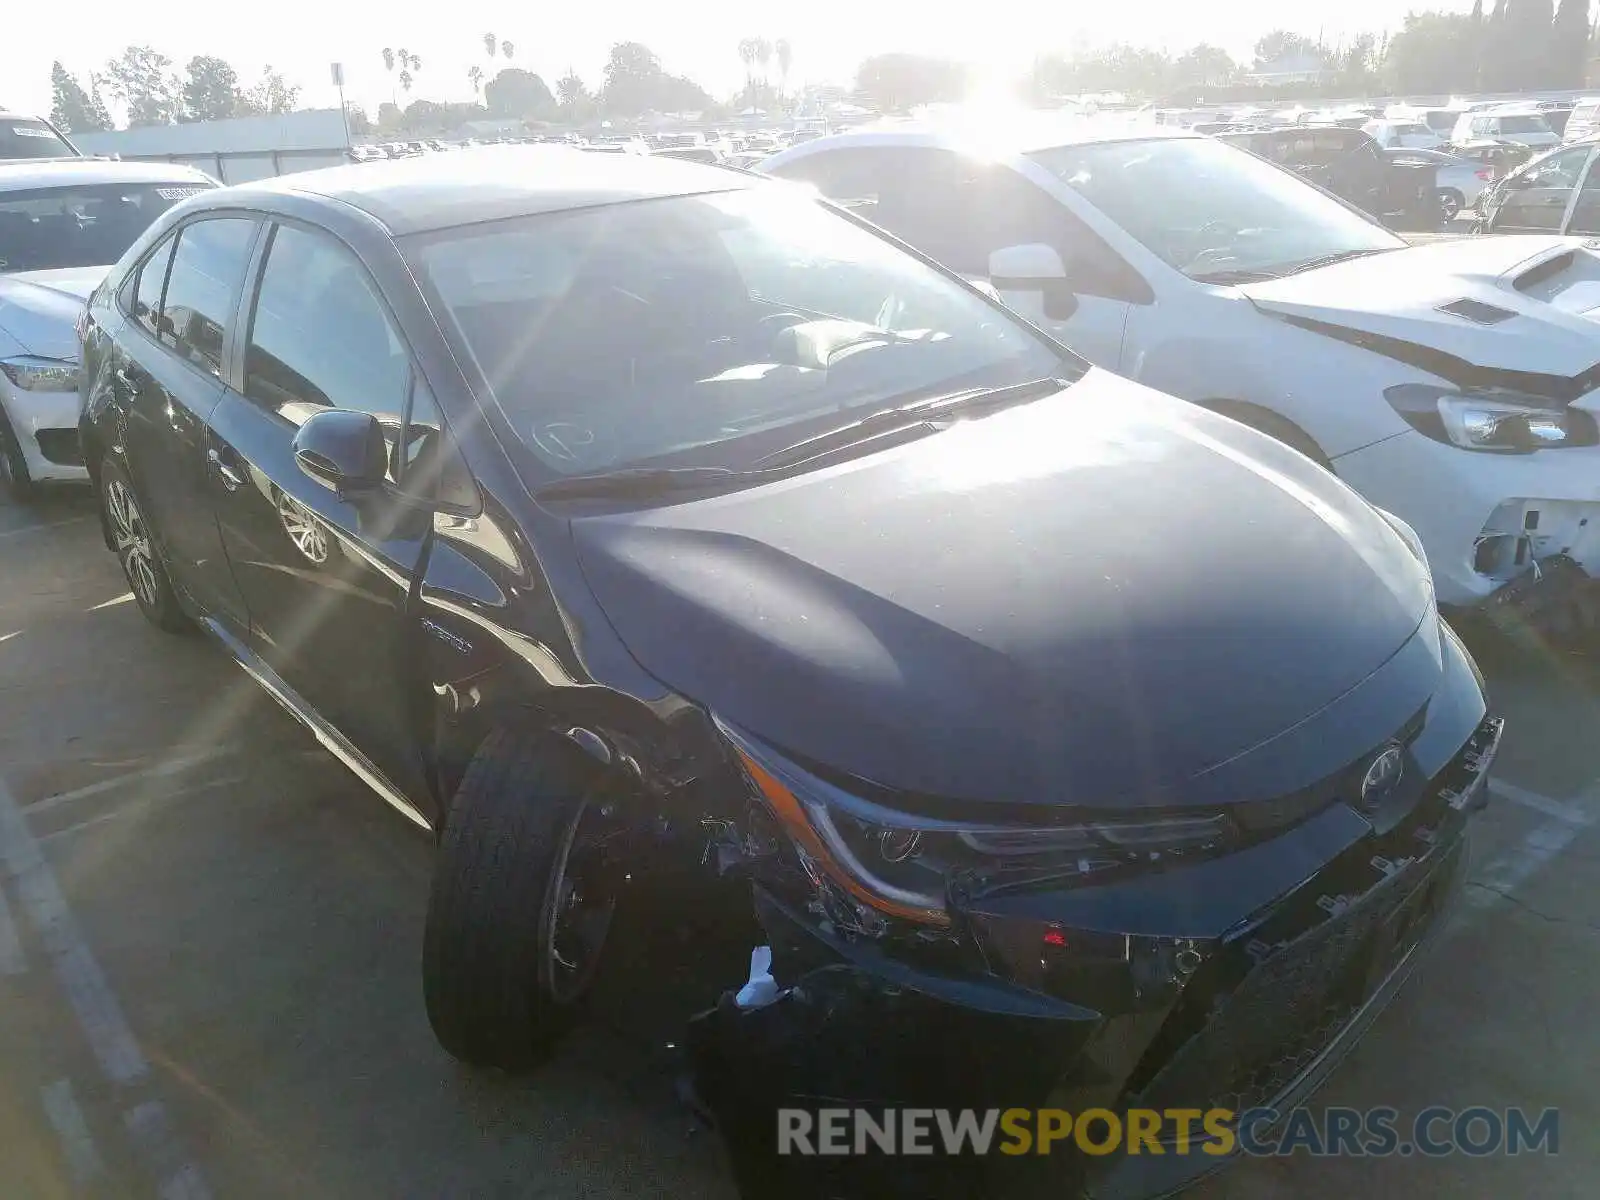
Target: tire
493 980
135 546
16 484
1266 421
1451 202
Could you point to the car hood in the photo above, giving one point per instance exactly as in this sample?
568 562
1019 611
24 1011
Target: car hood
1459 307
39 309
1104 597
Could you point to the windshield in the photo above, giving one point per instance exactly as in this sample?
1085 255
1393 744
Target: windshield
1529 123
31 139
1239 213
712 329
48 228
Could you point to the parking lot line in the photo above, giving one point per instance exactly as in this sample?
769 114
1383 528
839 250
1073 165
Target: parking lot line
84 1163
1498 880
1560 810
12 960
112 603
81 977
174 766
92 1001
6 637
11 533
170 794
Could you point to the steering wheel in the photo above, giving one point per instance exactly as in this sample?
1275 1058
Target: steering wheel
574 445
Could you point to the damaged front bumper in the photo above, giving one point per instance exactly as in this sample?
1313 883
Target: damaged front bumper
1242 980
1487 521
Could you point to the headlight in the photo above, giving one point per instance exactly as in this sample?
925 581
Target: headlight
901 865
1497 422
41 374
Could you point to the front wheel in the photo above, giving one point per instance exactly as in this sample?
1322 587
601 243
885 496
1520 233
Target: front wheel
522 901
136 551
16 485
1451 202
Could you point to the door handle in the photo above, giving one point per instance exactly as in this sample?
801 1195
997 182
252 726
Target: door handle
121 376
231 479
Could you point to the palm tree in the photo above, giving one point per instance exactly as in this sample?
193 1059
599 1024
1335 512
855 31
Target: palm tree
747 55
508 50
763 56
388 65
475 73
405 80
490 42
785 53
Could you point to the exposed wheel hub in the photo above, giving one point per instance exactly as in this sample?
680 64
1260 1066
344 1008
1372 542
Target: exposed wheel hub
134 548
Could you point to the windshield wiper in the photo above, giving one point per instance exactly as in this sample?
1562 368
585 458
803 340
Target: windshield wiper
1232 276
644 482
909 416
1327 260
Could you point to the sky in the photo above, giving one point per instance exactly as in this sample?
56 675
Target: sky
301 38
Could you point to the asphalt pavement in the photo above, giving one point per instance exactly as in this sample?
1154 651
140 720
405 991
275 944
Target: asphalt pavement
209 939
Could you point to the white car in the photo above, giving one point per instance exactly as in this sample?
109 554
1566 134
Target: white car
63 223
1526 126
1394 134
1454 384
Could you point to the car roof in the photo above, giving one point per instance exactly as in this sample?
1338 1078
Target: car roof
23 174
488 183
1017 135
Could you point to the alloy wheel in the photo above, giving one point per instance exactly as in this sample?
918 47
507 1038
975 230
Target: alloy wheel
134 548
303 528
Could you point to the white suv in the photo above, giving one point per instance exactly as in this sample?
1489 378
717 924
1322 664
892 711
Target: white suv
1455 384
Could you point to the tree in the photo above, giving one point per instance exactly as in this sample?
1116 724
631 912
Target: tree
212 90
97 106
475 74
272 94
1433 53
71 108
1204 66
507 50
785 53
577 104
1281 44
1357 64
900 81
142 80
405 80
1569 44
1524 43
763 56
514 92
747 55
388 59
632 74
490 44
357 116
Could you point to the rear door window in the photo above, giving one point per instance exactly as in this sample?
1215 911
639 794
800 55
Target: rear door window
203 288
151 281
20 138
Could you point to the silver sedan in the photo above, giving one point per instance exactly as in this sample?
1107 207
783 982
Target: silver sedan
1459 181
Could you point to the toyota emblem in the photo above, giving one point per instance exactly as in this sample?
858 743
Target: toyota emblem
1382 775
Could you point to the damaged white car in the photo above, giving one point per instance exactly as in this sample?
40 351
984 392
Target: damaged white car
1454 384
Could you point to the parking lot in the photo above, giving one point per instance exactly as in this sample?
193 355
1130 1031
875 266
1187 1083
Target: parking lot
209 938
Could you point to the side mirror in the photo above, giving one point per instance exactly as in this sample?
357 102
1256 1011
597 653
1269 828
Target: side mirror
1035 267
343 450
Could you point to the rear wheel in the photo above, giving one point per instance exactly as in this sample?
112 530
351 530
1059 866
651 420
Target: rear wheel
16 484
522 903
134 543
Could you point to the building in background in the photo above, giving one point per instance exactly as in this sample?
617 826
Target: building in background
233 151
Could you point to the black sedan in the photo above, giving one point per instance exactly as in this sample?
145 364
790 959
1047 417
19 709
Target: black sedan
608 512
